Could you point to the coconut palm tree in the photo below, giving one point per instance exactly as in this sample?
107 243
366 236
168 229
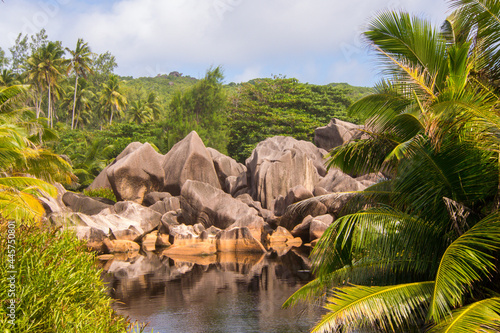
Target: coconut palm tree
139 112
8 78
26 169
153 104
111 98
45 69
80 65
423 248
79 101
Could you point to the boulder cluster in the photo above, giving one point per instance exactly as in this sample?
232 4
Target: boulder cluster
196 201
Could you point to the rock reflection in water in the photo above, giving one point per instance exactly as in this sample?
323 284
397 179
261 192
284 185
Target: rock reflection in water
227 292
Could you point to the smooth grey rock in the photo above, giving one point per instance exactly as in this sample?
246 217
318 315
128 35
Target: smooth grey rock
203 203
336 133
279 163
83 204
136 174
225 167
188 159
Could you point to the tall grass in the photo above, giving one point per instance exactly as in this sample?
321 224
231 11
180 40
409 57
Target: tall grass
58 287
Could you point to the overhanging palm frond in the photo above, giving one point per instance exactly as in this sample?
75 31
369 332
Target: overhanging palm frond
410 49
389 307
23 183
467 260
16 204
481 316
385 238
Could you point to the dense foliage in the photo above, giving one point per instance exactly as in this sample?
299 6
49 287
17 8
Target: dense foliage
49 280
421 248
263 108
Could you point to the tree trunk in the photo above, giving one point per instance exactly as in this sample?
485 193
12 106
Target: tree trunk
111 116
74 104
49 112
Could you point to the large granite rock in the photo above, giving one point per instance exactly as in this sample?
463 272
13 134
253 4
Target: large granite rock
238 240
101 181
205 204
188 159
54 205
136 174
280 163
118 220
226 167
336 133
84 204
337 181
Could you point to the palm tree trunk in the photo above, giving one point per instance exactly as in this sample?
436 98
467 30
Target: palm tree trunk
111 116
49 113
74 104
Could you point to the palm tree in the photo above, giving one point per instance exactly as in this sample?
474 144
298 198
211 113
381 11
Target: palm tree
80 100
8 78
429 235
80 64
26 169
139 112
45 69
153 104
111 98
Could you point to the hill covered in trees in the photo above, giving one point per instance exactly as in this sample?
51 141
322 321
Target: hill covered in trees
86 112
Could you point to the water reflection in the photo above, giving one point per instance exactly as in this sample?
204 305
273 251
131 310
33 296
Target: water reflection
227 292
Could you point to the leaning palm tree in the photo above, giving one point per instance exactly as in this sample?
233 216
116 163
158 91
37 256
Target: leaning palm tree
80 65
422 250
111 98
27 170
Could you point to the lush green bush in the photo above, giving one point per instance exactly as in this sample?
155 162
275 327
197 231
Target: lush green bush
58 288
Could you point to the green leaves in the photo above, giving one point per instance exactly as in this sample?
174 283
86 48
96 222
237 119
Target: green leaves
467 260
481 316
385 307
433 130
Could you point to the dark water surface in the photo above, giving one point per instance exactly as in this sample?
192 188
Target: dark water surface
219 293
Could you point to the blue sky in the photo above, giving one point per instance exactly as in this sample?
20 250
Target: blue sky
316 41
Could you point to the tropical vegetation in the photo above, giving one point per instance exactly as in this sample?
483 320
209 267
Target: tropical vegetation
47 275
420 249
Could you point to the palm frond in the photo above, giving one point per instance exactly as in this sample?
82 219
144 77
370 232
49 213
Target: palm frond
389 307
24 183
467 260
481 316
15 204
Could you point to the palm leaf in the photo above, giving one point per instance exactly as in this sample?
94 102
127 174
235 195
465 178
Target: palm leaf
21 183
467 260
19 205
481 316
389 307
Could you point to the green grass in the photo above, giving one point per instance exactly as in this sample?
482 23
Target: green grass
58 287
100 192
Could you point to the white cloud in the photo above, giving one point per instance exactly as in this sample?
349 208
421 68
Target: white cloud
244 35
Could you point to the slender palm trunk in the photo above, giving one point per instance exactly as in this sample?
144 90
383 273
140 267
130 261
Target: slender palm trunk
111 116
49 112
74 104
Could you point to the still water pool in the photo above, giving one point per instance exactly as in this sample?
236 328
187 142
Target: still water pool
219 293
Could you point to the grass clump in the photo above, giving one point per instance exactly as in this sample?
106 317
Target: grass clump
58 288
100 192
